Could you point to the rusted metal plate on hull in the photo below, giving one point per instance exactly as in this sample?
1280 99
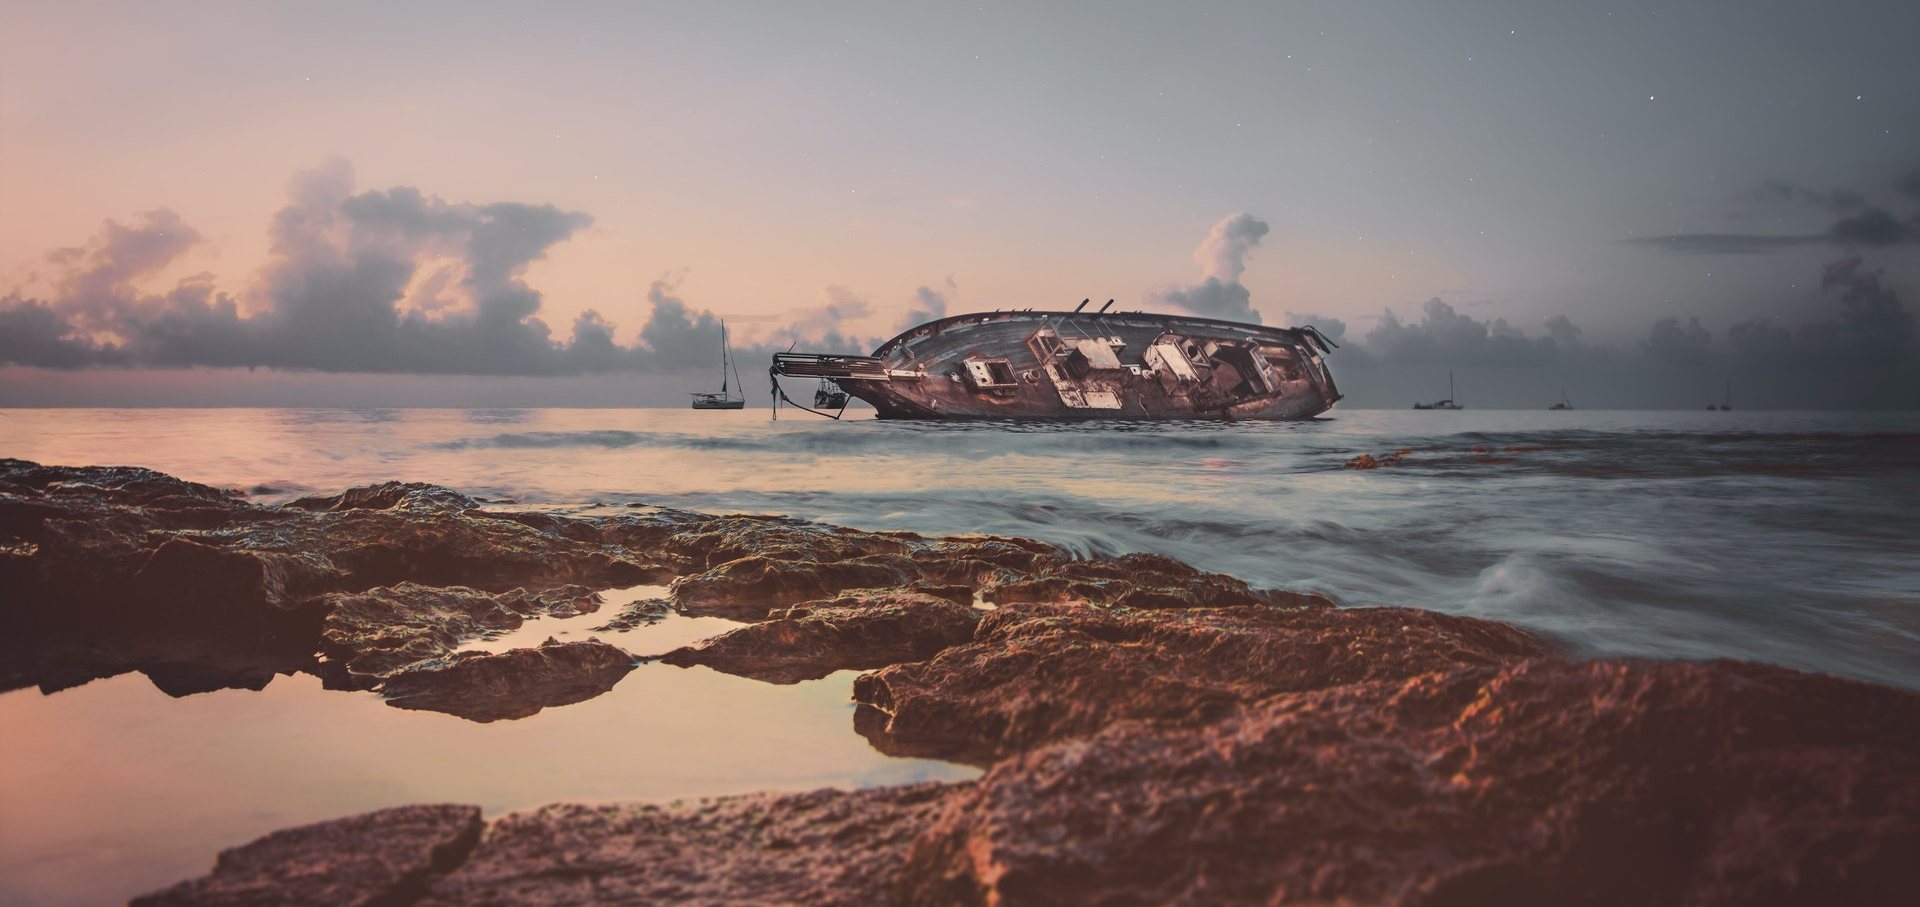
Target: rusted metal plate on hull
1065 365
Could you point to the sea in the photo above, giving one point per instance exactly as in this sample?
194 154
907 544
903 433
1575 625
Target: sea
1784 537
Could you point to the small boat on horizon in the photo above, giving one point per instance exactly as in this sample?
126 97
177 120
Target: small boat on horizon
1448 403
1726 406
725 399
1563 404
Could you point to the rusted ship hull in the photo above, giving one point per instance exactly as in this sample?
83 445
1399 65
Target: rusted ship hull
1067 365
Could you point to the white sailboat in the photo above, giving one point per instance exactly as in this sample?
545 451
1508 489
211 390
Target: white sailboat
726 398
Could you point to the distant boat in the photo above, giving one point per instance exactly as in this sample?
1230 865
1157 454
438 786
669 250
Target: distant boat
829 395
1563 404
1442 404
1726 406
725 399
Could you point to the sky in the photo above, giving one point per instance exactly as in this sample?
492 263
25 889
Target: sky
273 204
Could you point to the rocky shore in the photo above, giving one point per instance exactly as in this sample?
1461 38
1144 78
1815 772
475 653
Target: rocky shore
1150 733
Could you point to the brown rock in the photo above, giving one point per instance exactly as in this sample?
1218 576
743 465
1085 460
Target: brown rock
1035 674
189 581
712 541
1137 581
379 858
747 588
1369 461
486 686
857 630
410 496
823 848
634 614
1538 782
368 636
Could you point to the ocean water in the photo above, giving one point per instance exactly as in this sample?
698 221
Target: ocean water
1789 537
1786 537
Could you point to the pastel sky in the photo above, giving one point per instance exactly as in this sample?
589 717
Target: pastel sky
1613 164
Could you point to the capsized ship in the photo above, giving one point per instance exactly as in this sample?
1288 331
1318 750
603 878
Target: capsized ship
1074 365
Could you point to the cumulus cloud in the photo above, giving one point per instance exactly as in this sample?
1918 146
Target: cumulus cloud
1673 343
1222 258
1329 327
393 280
1873 227
1871 330
1909 184
1874 323
928 304
1447 336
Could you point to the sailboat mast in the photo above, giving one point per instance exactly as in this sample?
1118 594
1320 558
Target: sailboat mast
1450 395
724 356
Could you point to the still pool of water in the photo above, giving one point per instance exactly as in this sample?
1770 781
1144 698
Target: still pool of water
111 789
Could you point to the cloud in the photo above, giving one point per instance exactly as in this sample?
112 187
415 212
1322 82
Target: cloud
1909 185
1874 324
1329 327
928 304
1222 258
1727 243
393 280
676 336
1673 343
1838 201
1873 227
1870 228
1445 336
1860 225
32 333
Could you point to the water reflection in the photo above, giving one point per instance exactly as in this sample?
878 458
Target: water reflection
111 789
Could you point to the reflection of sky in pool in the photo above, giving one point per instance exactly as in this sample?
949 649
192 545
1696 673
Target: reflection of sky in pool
112 789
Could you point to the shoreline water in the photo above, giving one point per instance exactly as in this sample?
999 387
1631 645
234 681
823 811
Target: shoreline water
1770 536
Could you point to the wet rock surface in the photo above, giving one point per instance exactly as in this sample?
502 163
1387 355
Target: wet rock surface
1150 733
370 636
1543 781
857 630
110 569
380 858
495 686
819 848
116 569
1035 674
1135 581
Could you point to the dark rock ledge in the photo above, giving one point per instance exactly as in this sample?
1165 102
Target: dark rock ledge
1151 734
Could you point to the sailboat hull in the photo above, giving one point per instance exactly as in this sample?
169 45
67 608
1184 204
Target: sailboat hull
719 404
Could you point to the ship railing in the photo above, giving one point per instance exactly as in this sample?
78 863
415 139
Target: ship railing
826 365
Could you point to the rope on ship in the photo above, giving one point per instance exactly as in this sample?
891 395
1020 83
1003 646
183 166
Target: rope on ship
780 394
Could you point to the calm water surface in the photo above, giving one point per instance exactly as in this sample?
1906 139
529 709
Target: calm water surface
1783 537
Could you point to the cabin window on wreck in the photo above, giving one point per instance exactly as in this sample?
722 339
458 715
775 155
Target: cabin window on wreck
989 373
1240 372
1288 369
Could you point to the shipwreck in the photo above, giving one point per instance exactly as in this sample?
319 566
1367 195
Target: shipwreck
1079 365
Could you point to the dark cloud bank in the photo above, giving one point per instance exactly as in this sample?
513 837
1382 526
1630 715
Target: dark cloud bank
1862 354
377 281
398 281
